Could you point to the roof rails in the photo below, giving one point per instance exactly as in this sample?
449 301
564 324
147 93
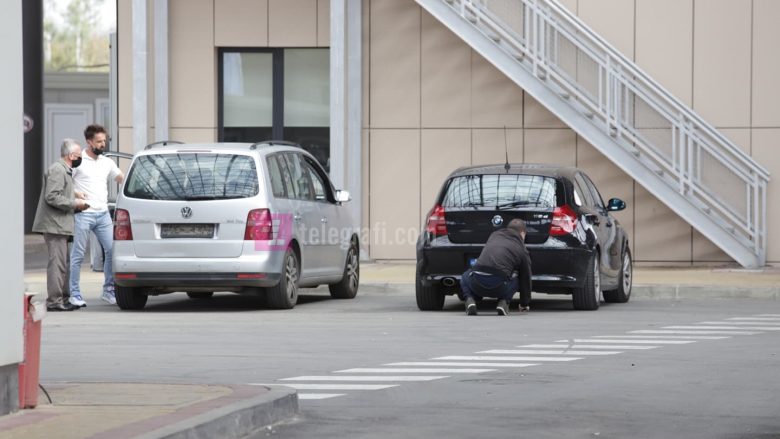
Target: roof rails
163 143
274 143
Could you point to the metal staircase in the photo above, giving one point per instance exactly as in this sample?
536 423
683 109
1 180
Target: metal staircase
603 96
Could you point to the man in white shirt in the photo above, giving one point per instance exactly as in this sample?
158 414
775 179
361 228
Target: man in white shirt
91 179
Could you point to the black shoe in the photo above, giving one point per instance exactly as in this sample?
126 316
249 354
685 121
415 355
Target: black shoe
471 307
62 307
502 308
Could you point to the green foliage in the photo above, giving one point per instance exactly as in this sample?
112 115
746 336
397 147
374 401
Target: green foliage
75 43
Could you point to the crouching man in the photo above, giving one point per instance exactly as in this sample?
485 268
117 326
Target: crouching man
502 268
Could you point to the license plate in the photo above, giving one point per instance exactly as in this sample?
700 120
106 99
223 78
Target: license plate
187 231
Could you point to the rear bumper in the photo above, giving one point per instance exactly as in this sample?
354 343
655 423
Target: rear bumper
554 269
170 273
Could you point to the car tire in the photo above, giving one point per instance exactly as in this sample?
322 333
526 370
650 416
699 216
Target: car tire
626 278
348 287
192 295
284 295
588 296
430 297
129 298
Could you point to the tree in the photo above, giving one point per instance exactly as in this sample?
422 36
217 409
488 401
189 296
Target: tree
77 43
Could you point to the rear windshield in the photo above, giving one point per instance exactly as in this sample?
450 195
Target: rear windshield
500 191
192 176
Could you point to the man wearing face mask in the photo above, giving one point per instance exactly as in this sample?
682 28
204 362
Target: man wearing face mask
54 219
92 178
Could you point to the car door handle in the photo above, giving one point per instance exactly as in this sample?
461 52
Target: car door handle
324 220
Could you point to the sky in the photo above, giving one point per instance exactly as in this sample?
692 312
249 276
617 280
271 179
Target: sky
54 9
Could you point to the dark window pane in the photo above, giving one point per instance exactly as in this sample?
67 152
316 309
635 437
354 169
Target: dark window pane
277 184
315 140
246 134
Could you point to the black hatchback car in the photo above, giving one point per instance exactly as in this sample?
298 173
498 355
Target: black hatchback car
576 246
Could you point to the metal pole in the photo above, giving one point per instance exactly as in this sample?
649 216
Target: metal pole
140 105
161 70
32 61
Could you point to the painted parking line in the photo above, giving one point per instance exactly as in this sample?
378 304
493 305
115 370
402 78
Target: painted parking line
589 346
751 328
315 396
665 331
339 386
759 319
617 341
666 337
411 370
453 363
382 378
546 352
725 322
495 358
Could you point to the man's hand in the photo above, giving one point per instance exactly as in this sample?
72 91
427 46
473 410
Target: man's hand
81 205
80 195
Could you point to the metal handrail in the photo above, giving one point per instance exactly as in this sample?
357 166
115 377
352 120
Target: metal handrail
621 86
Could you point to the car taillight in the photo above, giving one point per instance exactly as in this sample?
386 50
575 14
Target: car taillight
564 221
259 226
122 230
436 224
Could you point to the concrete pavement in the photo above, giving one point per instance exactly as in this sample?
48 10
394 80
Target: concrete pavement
153 410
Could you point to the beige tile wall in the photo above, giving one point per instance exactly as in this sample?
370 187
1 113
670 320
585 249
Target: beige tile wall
431 104
698 49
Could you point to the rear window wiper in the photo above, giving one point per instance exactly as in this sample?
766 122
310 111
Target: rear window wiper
515 203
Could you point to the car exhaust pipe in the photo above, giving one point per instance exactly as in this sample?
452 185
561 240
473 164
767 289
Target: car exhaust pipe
448 281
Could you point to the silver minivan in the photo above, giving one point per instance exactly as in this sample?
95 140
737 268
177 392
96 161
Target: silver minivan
260 219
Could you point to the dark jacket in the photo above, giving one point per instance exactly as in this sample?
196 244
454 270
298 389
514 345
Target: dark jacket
505 253
57 201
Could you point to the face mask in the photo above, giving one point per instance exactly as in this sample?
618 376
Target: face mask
75 163
97 151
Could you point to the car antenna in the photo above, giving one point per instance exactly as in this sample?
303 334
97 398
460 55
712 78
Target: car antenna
506 151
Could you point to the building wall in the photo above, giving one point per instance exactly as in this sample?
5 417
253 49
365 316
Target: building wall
12 232
431 104
434 104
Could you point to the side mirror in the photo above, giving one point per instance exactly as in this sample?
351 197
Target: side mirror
615 205
342 196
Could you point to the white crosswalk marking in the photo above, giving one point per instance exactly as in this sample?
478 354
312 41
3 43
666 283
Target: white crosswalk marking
411 370
381 378
319 395
453 363
671 337
606 340
768 315
760 319
724 322
751 328
309 386
494 358
546 352
664 331
587 346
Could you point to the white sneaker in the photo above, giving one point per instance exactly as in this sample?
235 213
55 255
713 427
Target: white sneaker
108 296
77 301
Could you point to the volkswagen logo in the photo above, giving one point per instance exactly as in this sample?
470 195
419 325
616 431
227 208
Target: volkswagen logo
186 212
497 220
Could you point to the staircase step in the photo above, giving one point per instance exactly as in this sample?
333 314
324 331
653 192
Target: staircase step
565 94
520 56
495 37
660 172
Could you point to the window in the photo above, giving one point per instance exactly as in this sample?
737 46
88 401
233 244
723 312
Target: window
598 201
582 187
300 180
317 184
501 191
276 94
277 182
192 177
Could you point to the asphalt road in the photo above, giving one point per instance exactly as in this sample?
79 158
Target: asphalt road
583 386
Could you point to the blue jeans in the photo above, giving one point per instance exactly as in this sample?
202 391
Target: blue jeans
488 285
101 224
